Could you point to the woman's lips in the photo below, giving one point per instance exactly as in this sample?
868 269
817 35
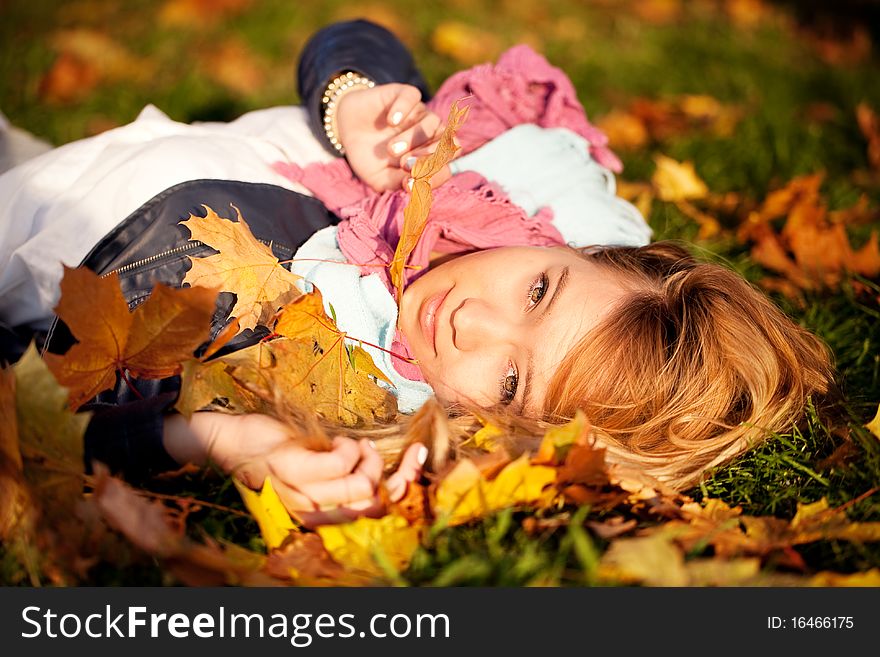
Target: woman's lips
428 317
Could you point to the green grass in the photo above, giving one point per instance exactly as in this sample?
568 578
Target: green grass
612 57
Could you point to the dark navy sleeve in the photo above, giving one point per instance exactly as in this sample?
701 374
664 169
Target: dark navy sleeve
358 46
127 435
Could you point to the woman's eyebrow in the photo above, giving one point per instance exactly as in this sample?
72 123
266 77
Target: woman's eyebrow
530 361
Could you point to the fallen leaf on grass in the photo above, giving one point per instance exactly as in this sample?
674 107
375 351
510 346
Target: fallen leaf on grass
304 561
235 66
874 425
463 43
747 13
658 12
811 251
651 560
149 526
624 130
465 494
559 440
18 510
87 58
867 578
49 431
376 547
869 124
677 181
199 13
150 342
269 512
244 266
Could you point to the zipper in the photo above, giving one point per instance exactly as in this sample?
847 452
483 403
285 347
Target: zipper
189 246
194 244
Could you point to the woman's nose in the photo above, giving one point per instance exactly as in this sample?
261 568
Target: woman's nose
477 325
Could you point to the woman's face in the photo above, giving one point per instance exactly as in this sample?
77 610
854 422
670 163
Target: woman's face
491 327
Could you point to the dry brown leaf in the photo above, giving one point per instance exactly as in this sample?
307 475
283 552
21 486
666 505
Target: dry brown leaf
85 59
869 124
48 430
812 250
659 12
747 13
150 527
151 342
211 385
235 66
18 512
651 560
304 560
245 266
69 79
624 130
415 214
199 14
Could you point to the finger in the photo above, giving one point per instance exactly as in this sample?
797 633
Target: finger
418 135
340 515
343 491
409 470
294 464
252 473
437 179
405 101
371 464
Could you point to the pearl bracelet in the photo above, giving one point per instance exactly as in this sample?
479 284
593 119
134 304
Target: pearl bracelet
340 86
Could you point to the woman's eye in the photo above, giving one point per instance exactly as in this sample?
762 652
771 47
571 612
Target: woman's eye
509 383
537 290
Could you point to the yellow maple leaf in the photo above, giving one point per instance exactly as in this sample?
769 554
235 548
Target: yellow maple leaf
558 440
316 368
677 181
486 437
372 546
269 512
415 214
245 266
464 494
874 425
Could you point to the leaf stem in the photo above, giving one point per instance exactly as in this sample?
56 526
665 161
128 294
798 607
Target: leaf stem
129 383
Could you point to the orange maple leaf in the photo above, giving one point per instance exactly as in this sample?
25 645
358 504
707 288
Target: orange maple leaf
150 342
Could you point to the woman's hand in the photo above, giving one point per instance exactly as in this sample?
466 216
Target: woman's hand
317 487
383 130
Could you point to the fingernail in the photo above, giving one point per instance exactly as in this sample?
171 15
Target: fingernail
396 118
410 163
372 444
422 454
456 142
409 184
398 147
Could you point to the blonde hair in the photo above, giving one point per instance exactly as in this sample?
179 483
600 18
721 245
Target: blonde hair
690 369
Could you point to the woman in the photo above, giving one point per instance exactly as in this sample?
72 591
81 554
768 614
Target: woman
679 364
